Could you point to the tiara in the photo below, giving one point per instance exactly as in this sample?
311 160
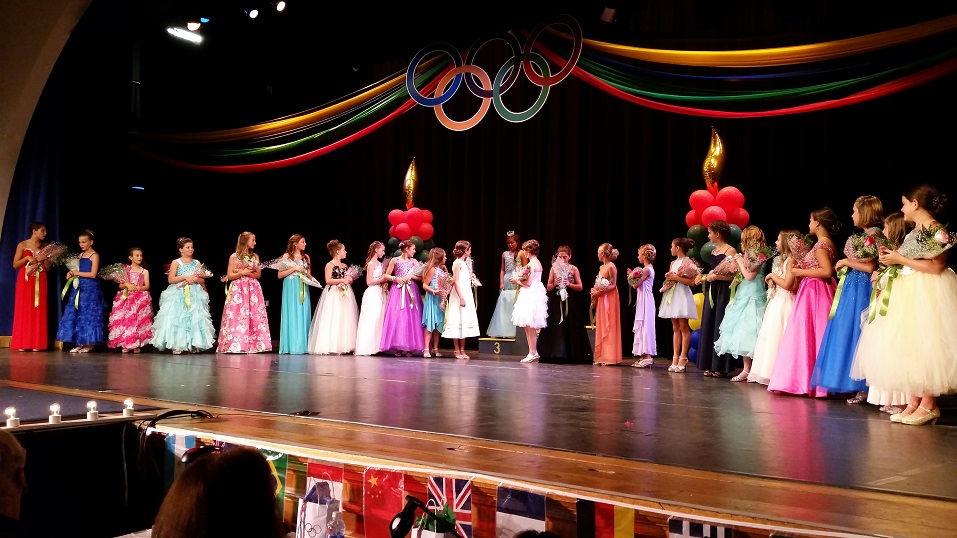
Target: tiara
509 233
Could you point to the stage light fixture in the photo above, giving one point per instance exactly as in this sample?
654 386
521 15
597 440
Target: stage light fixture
91 413
252 13
608 14
12 420
279 5
55 417
128 410
204 20
183 33
192 26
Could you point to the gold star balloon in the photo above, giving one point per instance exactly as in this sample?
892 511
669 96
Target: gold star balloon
713 163
409 184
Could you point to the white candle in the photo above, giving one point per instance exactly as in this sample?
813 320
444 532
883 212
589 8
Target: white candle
12 420
55 414
91 413
128 411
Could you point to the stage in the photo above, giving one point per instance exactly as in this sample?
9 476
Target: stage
644 435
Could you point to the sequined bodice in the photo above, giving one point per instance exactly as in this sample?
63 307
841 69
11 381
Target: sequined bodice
403 267
135 278
338 272
510 264
810 259
187 268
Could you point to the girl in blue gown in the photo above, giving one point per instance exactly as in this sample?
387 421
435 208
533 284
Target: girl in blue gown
83 314
296 305
183 322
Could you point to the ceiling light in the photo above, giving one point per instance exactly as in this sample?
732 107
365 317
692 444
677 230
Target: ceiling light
252 13
192 26
183 33
280 5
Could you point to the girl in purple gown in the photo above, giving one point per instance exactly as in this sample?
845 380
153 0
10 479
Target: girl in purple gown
402 324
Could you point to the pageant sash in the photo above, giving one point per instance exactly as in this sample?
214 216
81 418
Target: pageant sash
841 276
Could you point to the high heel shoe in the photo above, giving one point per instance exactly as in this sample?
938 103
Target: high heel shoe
899 417
931 417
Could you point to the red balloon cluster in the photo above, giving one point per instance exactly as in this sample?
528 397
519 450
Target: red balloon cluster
412 221
726 205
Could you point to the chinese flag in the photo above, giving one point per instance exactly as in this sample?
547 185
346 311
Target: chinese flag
382 500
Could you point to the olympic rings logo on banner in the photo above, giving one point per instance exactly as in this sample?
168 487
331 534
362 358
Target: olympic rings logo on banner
482 86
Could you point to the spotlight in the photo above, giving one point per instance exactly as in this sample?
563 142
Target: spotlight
280 5
183 33
252 13
55 417
12 420
204 20
91 413
128 410
192 26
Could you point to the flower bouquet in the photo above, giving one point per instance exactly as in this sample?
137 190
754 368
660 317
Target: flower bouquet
634 280
72 263
800 246
474 279
282 264
563 275
727 267
928 243
55 253
688 269
520 274
115 272
201 271
445 286
863 246
754 258
600 285
353 272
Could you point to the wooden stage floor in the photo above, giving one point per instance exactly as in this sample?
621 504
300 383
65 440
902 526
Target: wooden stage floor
649 437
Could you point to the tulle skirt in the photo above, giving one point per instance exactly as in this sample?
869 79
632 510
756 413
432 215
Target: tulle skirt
739 329
334 323
180 327
913 348
678 302
531 307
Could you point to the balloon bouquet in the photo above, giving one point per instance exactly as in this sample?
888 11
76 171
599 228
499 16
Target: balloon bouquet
413 223
707 206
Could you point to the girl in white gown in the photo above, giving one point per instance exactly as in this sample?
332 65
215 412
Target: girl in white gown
461 320
531 305
372 310
781 287
334 323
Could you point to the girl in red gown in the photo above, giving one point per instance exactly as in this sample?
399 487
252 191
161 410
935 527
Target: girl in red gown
30 302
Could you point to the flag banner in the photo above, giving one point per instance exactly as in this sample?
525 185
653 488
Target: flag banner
176 446
277 464
457 493
518 510
604 520
382 499
681 528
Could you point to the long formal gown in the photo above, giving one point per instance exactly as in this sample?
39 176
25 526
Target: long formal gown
245 327
501 325
433 315
912 346
183 322
296 314
565 339
84 314
776 315
461 321
131 319
337 316
717 294
607 327
30 309
832 370
402 322
739 329
371 315
802 337
645 342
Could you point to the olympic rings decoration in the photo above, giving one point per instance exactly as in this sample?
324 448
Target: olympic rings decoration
482 86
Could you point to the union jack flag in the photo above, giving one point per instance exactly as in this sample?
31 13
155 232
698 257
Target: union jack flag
457 493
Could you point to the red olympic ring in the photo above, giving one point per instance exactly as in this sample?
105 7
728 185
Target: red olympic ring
576 29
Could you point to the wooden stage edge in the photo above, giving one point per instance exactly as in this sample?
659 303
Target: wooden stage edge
752 506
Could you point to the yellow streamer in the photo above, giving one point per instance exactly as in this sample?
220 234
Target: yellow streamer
302 289
295 121
878 305
229 291
186 292
815 52
738 277
841 276
36 285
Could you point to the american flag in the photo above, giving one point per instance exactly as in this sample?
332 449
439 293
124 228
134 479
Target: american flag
457 493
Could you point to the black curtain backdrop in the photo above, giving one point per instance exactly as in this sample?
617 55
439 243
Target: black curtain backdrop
589 168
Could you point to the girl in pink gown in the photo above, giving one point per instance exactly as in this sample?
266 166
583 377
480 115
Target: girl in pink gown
245 328
802 337
131 319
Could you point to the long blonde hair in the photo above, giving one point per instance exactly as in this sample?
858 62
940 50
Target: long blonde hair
242 250
436 257
372 248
